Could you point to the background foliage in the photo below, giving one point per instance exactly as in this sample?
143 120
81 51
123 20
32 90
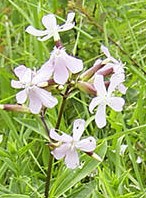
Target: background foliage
120 25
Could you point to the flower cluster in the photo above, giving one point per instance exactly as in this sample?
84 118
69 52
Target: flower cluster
60 68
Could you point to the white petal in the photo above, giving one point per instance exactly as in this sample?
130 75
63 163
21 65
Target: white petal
44 73
60 152
54 135
19 71
115 81
61 138
35 103
105 51
35 32
78 129
123 148
16 84
46 97
100 116
70 17
21 96
118 67
69 24
72 159
45 37
49 21
116 103
26 78
73 64
122 88
87 145
60 71
94 102
99 85
139 160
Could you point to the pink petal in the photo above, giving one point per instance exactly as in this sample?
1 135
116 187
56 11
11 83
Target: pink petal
49 21
78 129
72 159
100 116
73 64
116 103
16 84
35 32
60 71
35 103
60 152
45 97
94 102
20 70
99 85
87 145
21 96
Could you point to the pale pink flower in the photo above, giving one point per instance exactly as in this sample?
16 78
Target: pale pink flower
118 69
70 144
104 97
31 83
52 29
61 63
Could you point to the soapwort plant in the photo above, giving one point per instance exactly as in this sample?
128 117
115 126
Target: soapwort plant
66 73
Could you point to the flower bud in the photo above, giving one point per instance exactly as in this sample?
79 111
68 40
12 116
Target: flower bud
86 87
91 71
15 107
105 71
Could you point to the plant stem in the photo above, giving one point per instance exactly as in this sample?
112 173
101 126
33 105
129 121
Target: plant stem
48 178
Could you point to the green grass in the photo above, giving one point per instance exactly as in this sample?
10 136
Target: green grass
24 155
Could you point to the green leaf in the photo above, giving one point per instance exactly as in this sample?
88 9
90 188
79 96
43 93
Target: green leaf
85 191
14 196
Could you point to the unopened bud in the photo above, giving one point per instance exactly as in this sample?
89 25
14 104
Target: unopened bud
14 107
106 70
95 156
87 88
90 72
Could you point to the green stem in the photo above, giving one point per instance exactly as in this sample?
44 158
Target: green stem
48 179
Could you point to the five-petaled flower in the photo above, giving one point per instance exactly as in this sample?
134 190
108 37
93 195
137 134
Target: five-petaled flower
61 63
70 144
31 82
52 29
117 67
104 97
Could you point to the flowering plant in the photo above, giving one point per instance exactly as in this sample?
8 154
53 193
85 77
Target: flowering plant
61 76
